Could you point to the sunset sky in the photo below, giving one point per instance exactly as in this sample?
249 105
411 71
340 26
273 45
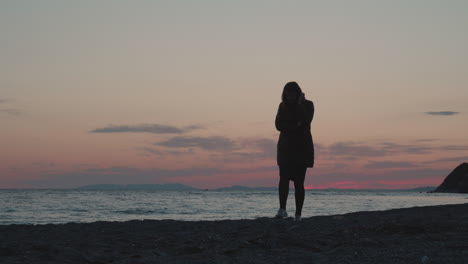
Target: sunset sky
172 91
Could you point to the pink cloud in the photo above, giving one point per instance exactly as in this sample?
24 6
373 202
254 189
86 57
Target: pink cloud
339 185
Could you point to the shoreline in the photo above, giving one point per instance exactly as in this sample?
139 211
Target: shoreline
409 235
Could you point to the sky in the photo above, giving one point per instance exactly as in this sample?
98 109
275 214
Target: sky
124 92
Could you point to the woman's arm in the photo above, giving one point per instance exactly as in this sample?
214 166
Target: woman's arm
282 123
309 110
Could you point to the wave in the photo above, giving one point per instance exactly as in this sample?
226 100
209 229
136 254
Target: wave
139 211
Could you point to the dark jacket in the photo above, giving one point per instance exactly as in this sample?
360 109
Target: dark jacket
295 144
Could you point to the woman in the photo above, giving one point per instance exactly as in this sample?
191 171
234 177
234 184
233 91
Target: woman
295 152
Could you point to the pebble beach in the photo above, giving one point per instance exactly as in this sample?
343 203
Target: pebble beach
432 234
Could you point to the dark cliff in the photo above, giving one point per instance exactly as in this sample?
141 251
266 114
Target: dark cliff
456 181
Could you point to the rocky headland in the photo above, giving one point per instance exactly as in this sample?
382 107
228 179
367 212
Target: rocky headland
456 181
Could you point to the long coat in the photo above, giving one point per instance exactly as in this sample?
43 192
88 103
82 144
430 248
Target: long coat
295 144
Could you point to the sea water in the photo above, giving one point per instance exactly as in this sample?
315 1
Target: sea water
63 206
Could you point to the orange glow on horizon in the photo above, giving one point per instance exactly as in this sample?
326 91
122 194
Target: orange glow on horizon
401 184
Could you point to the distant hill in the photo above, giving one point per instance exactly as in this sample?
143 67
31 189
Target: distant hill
234 188
166 186
456 181
244 188
419 189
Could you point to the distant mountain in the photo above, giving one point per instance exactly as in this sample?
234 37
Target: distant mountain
244 188
456 181
419 189
234 188
166 186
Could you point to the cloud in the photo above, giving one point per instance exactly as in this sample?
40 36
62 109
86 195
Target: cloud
394 148
356 149
384 175
129 175
382 184
338 156
422 148
224 148
153 151
11 111
146 128
426 140
454 147
389 165
443 113
264 144
217 143
452 159
164 152
255 148
249 149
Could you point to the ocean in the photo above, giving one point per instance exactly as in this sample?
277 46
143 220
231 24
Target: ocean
80 206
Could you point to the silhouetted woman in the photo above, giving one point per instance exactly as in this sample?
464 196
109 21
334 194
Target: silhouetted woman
295 151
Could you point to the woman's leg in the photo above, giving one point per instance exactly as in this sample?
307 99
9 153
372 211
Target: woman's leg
283 187
299 192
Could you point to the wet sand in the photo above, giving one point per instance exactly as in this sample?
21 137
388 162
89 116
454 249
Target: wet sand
434 234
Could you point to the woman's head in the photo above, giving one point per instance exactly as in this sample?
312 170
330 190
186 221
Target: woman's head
291 93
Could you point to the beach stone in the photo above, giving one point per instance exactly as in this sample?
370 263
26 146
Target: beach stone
192 250
425 260
42 247
5 252
406 235
68 253
160 253
293 228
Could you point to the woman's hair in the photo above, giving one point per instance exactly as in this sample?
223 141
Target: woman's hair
291 87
